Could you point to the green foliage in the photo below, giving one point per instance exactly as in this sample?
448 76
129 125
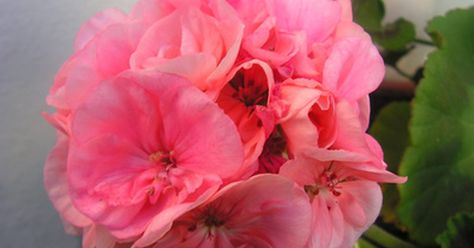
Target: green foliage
369 14
391 129
396 39
440 160
396 36
459 233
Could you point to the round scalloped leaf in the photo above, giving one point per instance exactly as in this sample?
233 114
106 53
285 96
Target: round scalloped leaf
440 160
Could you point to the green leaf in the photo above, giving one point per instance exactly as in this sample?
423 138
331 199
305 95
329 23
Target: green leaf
368 14
392 57
459 233
396 36
390 128
440 160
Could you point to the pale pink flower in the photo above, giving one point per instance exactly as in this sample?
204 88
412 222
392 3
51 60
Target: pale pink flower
56 184
245 100
264 211
146 148
343 191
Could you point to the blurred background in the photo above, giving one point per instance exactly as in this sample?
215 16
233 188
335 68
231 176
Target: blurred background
36 37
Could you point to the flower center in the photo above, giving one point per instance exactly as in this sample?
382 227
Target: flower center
210 218
164 158
328 181
165 161
248 91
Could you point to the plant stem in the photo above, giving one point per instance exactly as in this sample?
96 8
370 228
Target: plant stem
377 235
424 42
362 243
404 74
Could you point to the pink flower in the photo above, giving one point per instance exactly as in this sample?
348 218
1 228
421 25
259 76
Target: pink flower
146 148
195 39
280 31
345 198
273 154
56 184
308 114
245 100
264 211
171 120
312 117
200 44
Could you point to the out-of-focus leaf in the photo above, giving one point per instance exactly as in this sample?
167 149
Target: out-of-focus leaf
392 57
369 14
440 160
396 36
390 128
459 233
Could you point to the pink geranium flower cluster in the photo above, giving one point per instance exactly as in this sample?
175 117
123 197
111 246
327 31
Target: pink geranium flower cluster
218 123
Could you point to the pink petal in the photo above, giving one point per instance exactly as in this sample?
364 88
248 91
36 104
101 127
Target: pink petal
149 11
318 18
310 119
97 24
192 44
368 198
323 229
104 57
254 215
56 184
160 224
354 68
255 123
96 236
125 121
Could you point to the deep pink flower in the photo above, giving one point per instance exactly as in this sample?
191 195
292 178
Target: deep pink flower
245 100
146 148
264 211
273 154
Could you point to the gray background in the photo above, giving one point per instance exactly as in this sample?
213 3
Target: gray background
36 37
